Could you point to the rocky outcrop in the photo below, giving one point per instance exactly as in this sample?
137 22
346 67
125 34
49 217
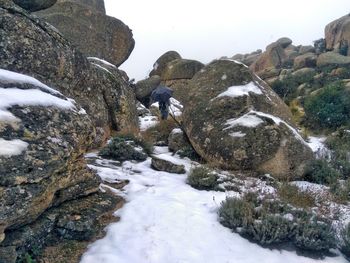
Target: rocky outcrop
181 69
95 34
95 5
41 52
332 59
305 60
249 58
337 34
43 139
236 121
35 5
160 65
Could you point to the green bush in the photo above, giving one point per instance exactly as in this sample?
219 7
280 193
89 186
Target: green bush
271 229
314 235
236 213
339 143
329 108
320 172
190 153
345 247
341 191
122 149
202 178
272 222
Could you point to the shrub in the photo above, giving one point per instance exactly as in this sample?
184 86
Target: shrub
345 247
202 178
329 108
339 143
274 222
190 153
320 172
122 149
292 195
315 235
341 191
236 213
271 229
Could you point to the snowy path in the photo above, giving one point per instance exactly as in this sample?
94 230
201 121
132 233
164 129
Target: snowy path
167 221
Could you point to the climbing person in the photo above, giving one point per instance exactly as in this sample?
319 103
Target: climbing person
162 95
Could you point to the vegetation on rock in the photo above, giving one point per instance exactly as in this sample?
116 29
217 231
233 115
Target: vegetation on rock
202 178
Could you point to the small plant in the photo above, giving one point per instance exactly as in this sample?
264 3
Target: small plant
345 247
329 108
292 195
161 131
236 213
315 235
341 191
202 178
271 229
190 153
320 172
122 149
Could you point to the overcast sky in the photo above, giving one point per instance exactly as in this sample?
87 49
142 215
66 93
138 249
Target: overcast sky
209 29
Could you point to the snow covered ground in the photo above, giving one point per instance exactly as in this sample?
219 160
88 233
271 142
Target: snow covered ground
167 221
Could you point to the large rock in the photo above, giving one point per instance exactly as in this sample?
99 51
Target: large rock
94 33
144 88
272 58
332 59
167 166
305 60
236 121
96 5
337 35
35 5
160 65
181 69
42 52
43 139
248 59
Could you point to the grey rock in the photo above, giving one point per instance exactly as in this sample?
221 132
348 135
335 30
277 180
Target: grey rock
160 65
221 131
35 5
167 166
94 33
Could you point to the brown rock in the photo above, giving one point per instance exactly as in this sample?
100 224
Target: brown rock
251 131
332 59
307 60
167 166
337 34
181 69
160 65
95 34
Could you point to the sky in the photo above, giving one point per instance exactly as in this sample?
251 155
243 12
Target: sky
208 29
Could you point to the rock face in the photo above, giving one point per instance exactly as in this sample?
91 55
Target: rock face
43 138
332 58
177 140
181 69
337 35
41 52
160 65
145 87
35 5
236 121
96 34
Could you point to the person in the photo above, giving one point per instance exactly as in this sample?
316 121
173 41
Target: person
162 95
164 109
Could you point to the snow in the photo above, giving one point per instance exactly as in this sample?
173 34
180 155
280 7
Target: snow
13 77
147 122
224 77
176 131
102 61
29 97
237 134
247 120
318 146
155 66
278 121
165 220
238 91
175 107
12 147
100 67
